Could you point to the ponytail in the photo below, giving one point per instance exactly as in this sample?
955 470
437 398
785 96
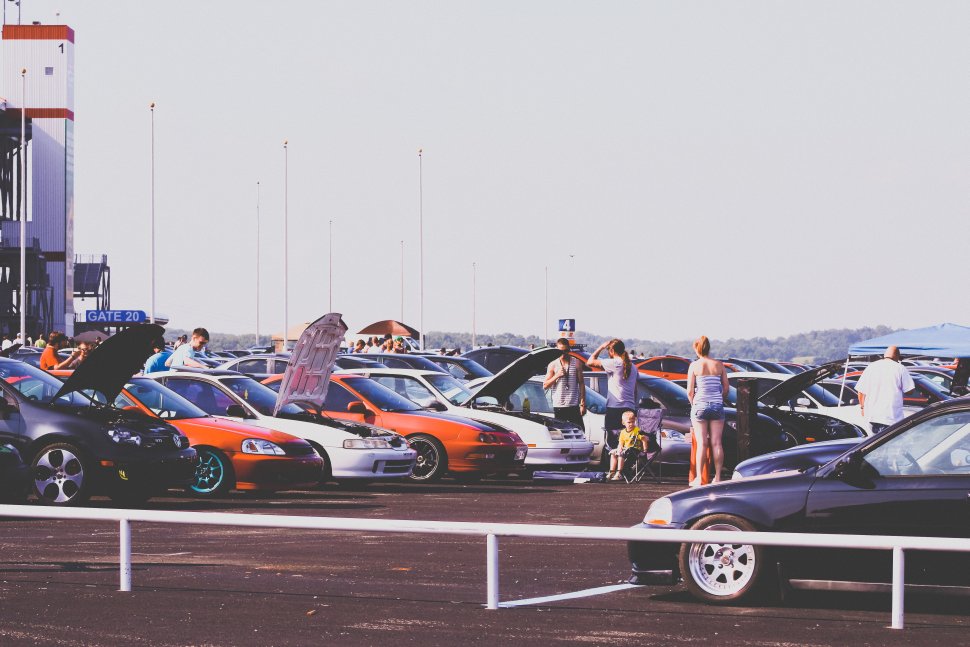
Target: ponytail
619 348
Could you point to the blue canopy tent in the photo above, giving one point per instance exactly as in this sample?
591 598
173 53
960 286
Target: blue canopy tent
944 340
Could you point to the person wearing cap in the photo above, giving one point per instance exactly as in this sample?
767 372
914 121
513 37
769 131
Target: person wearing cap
881 387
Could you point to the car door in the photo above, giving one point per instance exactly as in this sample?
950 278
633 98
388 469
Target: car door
916 482
339 398
205 395
11 421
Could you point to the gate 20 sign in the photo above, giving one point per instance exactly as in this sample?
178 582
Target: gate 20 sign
115 316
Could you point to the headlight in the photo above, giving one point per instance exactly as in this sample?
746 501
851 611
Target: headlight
366 443
671 434
660 513
260 446
555 434
124 436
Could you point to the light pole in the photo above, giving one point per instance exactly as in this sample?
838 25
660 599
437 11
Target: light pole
421 245
151 108
474 298
23 210
286 240
402 281
331 266
257 262
547 306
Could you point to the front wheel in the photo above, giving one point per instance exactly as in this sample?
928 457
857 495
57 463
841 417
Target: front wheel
61 475
432 462
213 476
722 573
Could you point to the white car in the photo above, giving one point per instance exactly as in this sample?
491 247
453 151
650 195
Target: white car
350 450
552 443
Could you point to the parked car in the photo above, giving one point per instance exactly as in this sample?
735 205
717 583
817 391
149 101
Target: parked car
942 377
259 367
349 452
445 444
463 368
232 455
495 358
552 443
14 475
404 360
774 367
77 447
795 458
669 367
920 466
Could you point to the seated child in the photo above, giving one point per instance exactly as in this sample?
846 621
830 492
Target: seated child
629 437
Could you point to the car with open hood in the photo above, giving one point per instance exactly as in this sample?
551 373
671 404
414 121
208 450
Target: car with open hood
76 443
911 479
463 368
552 443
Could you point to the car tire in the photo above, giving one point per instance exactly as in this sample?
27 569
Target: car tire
723 573
432 461
61 475
213 475
326 473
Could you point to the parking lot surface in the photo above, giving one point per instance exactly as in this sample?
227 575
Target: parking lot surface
240 586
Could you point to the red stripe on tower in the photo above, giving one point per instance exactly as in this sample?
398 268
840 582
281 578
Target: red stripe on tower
38 32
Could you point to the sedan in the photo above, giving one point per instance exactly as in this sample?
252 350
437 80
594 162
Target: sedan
910 480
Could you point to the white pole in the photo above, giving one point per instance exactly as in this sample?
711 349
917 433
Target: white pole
491 568
23 202
474 299
899 583
547 306
124 557
257 262
151 107
402 281
421 244
331 267
286 238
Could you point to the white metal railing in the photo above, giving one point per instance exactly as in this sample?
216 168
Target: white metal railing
492 531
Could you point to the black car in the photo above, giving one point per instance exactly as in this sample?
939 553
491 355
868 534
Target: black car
13 475
910 480
462 368
404 360
495 358
77 444
801 457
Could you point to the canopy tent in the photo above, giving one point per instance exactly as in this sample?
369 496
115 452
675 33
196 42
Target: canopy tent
389 327
944 340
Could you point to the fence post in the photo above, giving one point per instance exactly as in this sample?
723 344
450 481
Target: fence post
124 535
899 583
491 568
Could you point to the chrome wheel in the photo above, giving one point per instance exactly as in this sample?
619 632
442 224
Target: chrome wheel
722 573
211 475
59 475
431 460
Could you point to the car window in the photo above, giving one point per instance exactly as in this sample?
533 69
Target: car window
252 366
540 400
207 397
380 396
675 365
940 446
338 398
162 401
651 365
408 387
449 387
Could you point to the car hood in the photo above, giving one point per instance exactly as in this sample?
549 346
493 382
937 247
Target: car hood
794 385
227 427
109 366
307 375
506 381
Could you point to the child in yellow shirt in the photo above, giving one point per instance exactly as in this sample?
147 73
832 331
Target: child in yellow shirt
629 437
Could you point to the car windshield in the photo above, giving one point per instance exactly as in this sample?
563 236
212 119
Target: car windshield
939 445
380 396
671 396
449 387
259 396
41 386
461 367
540 400
164 402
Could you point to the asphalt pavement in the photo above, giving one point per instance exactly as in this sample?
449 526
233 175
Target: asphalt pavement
246 586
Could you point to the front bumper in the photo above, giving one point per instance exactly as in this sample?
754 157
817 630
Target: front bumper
491 458
258 472
147 472
371 463
559 454
653 562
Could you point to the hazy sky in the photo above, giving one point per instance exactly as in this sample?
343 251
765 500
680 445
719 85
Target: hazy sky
725 168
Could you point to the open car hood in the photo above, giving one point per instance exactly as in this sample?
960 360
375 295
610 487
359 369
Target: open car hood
109 366
505 382
307 375
794 385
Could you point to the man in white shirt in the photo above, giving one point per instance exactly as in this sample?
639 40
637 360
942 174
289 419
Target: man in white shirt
881 388
182 356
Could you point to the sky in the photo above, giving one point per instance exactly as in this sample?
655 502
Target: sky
734 169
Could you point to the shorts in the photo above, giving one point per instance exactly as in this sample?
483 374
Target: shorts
707 411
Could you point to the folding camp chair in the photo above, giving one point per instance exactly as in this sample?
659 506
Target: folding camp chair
642 462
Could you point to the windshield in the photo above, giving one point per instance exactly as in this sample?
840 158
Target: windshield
259 396
462 368
163 402
672 396
380 396
449 387
38 385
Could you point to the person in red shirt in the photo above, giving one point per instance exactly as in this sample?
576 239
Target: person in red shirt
49 360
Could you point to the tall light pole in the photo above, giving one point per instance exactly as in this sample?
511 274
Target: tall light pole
421 331
474 298
257 262
331 266
151 108
23 202
286 240
402 281
547 306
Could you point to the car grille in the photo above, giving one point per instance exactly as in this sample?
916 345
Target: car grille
162 442
573 433
393 466
298 449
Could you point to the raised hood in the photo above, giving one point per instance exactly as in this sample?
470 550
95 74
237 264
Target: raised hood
109 366
505 382
307 375
794 385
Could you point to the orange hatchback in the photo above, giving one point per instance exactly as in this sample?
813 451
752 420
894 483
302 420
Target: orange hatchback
669 367
446 444
232 455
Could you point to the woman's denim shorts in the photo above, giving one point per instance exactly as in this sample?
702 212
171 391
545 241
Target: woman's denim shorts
707 411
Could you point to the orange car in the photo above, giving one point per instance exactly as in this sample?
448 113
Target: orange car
445 444
232 455
669 367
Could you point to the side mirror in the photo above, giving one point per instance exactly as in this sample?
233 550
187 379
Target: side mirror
803 402
357 407
437 406
848 468
236 411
